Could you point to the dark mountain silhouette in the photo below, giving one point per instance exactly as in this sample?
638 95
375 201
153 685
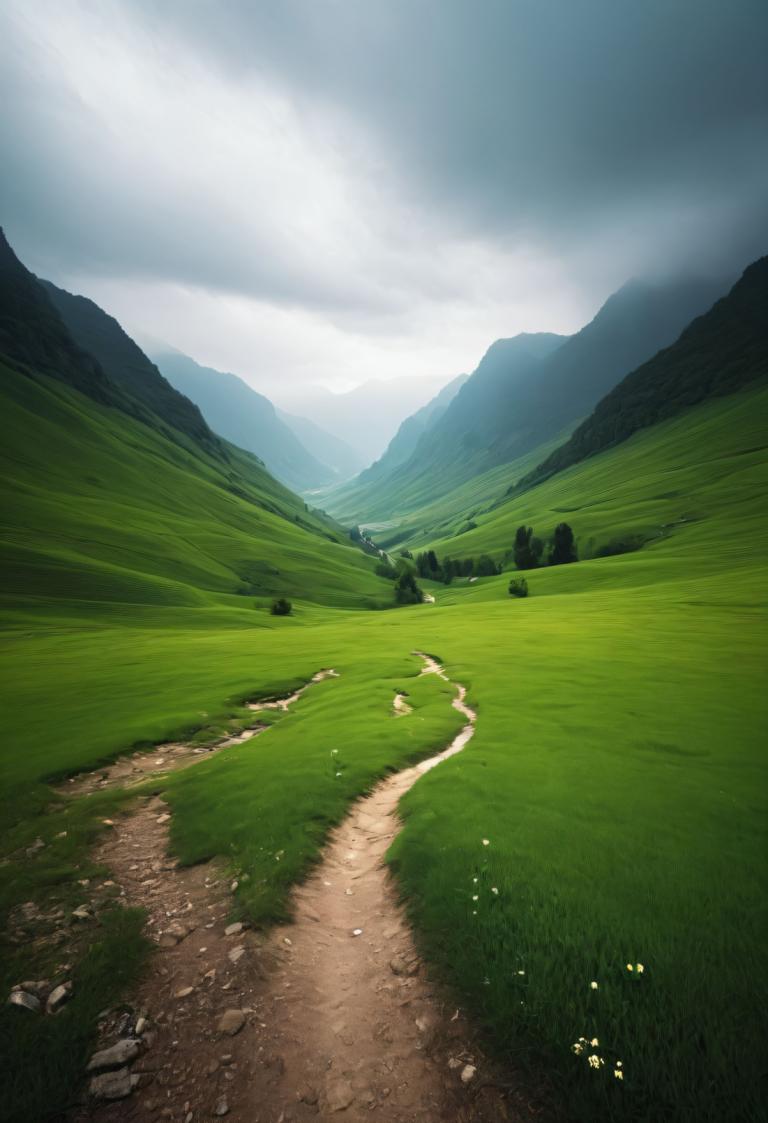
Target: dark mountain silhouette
126 364
717 354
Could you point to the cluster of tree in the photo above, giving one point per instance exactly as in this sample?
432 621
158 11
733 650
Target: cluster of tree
281 607
406 589
428 565
518 587
529 550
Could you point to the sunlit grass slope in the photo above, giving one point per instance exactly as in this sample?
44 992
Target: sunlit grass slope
699 473
99 507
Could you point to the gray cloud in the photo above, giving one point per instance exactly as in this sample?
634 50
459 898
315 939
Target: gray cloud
382 183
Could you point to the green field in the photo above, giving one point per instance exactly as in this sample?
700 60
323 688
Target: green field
617 769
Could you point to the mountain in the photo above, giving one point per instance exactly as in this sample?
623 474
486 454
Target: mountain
247 418
126 365
32 334
110 511
719 353
367 417
407 436
529 389
339 456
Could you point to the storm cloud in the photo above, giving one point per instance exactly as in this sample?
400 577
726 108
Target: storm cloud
326 191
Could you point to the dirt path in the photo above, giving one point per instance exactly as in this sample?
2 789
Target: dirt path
330 1017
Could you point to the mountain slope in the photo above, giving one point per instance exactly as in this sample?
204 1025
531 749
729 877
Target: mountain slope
719 353
245 417
330 450
407 436
100 335
514 402
105 510
454 447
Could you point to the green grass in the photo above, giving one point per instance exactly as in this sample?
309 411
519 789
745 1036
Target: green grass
617 767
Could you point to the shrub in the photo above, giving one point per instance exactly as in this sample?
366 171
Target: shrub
518 587
407 591
281 607
616 546
384 569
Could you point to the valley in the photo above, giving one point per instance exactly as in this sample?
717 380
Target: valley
580 881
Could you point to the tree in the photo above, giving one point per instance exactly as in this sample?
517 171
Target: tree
528 549
486 566
406 589
518 587
563 546
281 607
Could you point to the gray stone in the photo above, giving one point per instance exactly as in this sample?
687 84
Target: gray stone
113 1085
222 1107
58 996
401 966
38 987
339 1095
82 912
115 1056
231 1022
233 929
25 1000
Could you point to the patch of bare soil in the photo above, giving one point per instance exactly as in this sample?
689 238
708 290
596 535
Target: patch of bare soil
331 1016
133 769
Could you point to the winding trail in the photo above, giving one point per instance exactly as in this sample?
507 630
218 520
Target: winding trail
332 1016
357 1026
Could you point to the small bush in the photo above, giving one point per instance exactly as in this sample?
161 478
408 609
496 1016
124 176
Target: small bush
281 607
617 546
518 587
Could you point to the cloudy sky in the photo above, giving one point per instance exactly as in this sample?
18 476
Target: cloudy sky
328 191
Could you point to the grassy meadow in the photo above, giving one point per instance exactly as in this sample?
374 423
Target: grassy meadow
617 769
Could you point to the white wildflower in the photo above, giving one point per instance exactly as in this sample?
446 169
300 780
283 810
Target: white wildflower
640 968
630 967
618 1074
594 1042
494 890
475 898
486 842
593 985
595 1061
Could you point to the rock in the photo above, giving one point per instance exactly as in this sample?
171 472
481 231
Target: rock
357 931
168 940
162 819
236 953
38 987
122 1053
400 966
307 1096
222 1107
212 1068
227 1058
82 912
454 1062
231 1022
35 848
184 992
141 1025
58 996
233 929
468 1074
339 1095
25 1000
113 1085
